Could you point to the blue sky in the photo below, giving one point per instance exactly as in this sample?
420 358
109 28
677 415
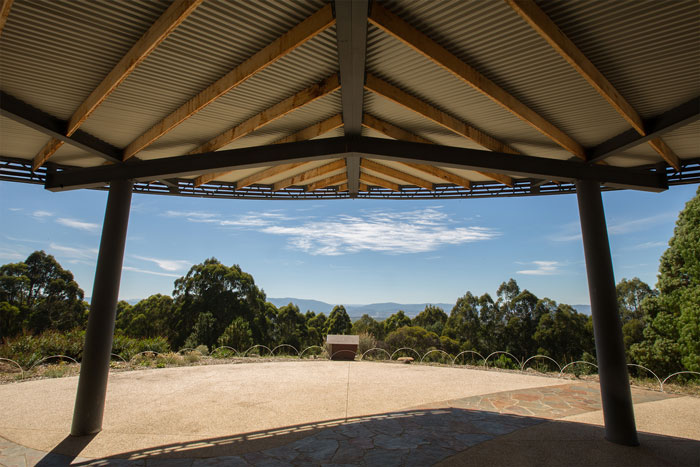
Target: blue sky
349 251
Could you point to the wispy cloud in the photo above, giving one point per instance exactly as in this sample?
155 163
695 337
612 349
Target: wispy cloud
42 214
10 254
167 264
154 273
543 268
24 240
74 253
248 220
646 245
383 231
567 232
76 224
15 209
636 225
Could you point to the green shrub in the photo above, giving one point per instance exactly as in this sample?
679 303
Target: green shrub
202 349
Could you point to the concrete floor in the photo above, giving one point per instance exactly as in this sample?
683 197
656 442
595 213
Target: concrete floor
317 412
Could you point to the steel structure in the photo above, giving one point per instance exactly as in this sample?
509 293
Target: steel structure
399 99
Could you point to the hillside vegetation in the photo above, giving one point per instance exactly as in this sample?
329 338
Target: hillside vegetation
217 305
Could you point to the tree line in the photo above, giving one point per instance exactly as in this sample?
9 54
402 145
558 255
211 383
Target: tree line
218 305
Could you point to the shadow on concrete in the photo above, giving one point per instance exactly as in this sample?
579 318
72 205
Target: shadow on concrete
445 436
65 451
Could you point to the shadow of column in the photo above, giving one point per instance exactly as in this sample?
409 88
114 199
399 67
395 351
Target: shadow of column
66 451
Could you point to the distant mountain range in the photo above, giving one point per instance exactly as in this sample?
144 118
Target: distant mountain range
377 311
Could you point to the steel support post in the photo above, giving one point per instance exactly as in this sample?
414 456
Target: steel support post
94 369
618 412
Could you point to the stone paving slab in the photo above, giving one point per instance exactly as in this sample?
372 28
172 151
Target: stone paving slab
551 402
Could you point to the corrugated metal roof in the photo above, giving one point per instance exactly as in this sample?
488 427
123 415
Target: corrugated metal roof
494 40
648 49
53 54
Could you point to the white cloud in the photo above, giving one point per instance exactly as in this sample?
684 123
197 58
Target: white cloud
249 220
144 271
76 224
42 214
15 209
650 245
9 254
636 225
75 253
544 268
384 231
166 264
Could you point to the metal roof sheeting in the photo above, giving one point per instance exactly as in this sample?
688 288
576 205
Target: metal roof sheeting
53 54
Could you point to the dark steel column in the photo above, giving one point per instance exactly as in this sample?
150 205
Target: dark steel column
615 391
94 369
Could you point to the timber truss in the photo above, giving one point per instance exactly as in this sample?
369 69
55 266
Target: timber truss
355 125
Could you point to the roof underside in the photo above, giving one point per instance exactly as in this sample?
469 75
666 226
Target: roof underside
298 99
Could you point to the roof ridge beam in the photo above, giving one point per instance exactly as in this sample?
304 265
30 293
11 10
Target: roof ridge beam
421 43
555 37
282 108
142 48
400 134
295 37
351 36
409 179
299 179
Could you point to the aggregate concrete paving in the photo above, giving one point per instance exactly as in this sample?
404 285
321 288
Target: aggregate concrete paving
352 413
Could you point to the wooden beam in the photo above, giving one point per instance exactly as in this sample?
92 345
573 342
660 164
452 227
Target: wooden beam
395 132
550 32
407 34
364 187
334 180
555 37
156 34
299 179
278 110
369 164
372 180
267 173
295 37
5 7
343 187
410 102
666 153
311 132
441 174
315 130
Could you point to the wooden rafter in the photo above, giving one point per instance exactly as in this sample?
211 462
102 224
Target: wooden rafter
395 132
156 34
267 173
5 7
443 119
372 180
334 180
315 130
301 178
295 37
407 34
278 110
344 187
555 37
368 164
307 133
666 153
